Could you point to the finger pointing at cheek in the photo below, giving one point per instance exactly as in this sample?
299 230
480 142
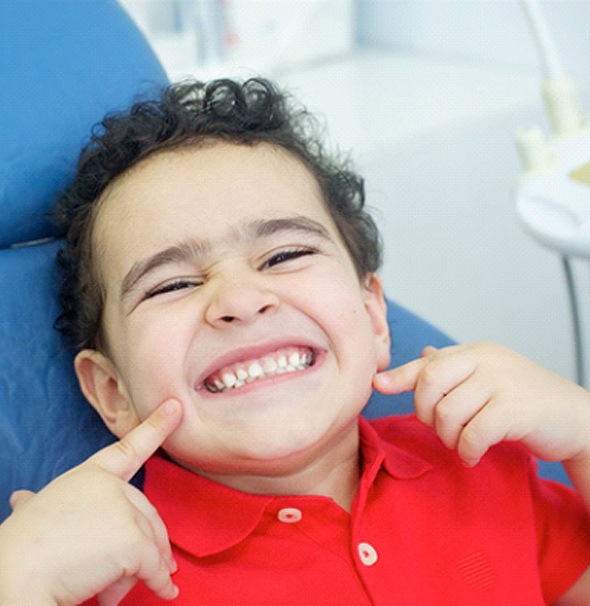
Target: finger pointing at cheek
125 457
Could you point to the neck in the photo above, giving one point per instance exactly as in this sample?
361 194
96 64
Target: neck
334 475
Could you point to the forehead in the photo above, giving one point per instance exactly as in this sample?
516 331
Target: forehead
205 193
218 182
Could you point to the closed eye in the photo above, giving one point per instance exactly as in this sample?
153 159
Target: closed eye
172 286
288 254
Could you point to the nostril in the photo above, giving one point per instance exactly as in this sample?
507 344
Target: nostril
228 319
264 308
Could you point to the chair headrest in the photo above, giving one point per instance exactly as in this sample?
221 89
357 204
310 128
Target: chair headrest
63 65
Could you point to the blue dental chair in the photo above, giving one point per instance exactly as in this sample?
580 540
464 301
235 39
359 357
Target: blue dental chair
63 65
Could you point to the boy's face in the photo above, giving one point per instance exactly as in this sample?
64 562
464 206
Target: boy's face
228 287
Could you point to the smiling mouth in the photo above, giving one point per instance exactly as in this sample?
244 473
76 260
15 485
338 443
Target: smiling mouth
282 361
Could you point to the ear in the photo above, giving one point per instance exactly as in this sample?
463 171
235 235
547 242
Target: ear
104 389
377 309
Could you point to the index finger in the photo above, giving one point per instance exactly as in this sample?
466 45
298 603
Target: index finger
125 457
400 379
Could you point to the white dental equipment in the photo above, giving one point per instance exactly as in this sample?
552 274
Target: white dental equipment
553 190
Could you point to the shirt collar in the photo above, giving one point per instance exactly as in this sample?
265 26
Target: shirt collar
204 517
377 450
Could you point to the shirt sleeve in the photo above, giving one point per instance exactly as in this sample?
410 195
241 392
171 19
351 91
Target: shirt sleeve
563 535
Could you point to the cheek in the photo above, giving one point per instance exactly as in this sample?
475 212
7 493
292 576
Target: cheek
153 366
339 301
341 311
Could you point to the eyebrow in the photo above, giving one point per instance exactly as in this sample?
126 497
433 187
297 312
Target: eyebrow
198 249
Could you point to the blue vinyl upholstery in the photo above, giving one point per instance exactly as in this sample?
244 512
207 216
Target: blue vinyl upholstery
63 64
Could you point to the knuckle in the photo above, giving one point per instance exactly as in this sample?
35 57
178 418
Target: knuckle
136 545
429 376
144 527
472 435
151 558
127 449
445 414
153 570
473 441
423 413
128 527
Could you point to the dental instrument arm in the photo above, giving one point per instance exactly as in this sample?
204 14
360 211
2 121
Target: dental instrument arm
552 195
558 89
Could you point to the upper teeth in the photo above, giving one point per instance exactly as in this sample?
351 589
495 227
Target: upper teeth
282 361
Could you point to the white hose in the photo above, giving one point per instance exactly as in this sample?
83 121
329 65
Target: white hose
559 92
551 62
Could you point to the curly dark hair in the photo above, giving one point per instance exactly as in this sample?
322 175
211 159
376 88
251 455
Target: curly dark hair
184 115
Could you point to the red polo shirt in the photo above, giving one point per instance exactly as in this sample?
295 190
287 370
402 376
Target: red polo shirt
423 530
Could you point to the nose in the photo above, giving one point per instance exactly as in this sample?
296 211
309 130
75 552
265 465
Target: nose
239 302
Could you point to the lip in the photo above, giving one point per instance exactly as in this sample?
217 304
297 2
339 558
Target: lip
243 354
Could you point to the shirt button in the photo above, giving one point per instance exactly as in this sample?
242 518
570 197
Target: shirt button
367 554
290 515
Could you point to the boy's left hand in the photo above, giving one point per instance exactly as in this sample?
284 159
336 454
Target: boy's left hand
477 395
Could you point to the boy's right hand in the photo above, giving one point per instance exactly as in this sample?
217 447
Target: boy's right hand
89 532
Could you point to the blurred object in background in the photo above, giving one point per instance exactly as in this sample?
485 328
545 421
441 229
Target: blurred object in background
210 37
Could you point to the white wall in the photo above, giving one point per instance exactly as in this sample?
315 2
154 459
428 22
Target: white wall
488 31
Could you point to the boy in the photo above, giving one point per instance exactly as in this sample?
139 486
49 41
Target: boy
219 284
